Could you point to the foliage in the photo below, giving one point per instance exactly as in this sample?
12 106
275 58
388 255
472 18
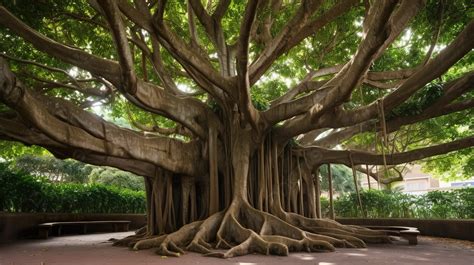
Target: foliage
418 102
341 177
455 204
10 150
117 178
72 171
54 169
21 192
332 46
454 166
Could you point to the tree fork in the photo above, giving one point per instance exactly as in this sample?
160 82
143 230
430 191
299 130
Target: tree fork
235 180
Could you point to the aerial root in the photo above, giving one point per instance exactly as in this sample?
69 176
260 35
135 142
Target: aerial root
242 229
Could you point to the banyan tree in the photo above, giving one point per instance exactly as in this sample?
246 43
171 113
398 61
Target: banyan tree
228 108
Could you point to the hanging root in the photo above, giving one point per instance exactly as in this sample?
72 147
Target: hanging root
242 230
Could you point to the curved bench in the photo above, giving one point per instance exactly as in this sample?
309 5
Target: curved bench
406 232
43 229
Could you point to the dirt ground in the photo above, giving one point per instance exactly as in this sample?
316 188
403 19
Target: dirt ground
94 249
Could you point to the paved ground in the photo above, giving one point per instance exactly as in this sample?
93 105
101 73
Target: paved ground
93 249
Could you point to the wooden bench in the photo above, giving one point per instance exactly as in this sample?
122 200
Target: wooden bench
408 233
45 228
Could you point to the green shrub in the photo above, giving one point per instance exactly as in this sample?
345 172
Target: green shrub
21 192
455 204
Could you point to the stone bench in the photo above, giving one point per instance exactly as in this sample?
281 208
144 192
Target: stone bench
45 228
408 233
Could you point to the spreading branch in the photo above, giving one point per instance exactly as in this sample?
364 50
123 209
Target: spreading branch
112 14
319 155
64 123
341 118
96 65
438 108
296 30
385 24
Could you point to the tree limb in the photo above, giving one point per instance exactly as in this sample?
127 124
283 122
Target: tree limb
112 14
14 130
297 29
385 25
341 118
243 85
75 128
438 108
323 155
98 66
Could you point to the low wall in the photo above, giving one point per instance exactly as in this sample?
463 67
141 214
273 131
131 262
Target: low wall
458 229
23 225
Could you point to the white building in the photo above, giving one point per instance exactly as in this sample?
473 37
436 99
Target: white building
415 181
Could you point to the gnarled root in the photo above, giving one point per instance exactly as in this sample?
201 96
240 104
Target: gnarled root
131 240
242 229
355 234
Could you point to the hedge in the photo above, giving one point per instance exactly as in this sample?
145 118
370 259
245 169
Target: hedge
455 204
21 192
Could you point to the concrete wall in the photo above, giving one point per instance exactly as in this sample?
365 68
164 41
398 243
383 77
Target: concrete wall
458 229
21 225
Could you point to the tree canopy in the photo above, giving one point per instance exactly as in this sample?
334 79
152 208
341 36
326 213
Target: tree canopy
228 108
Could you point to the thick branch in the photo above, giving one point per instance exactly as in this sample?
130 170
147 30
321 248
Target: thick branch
371 78
148 96
77 129
435 68
112 14
190 59
299 28
98 66
385 25
221 8
213 28
303 87
320 155
14 129
138 167
243 84
439 108
206 20
392 125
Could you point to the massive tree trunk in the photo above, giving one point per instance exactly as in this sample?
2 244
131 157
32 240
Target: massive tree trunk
254 220
232 177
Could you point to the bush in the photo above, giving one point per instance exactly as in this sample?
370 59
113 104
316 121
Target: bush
456 204
21 192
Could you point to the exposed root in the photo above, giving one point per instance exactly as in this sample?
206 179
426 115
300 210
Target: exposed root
168 244
356 235
140 234
242 230
129 240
